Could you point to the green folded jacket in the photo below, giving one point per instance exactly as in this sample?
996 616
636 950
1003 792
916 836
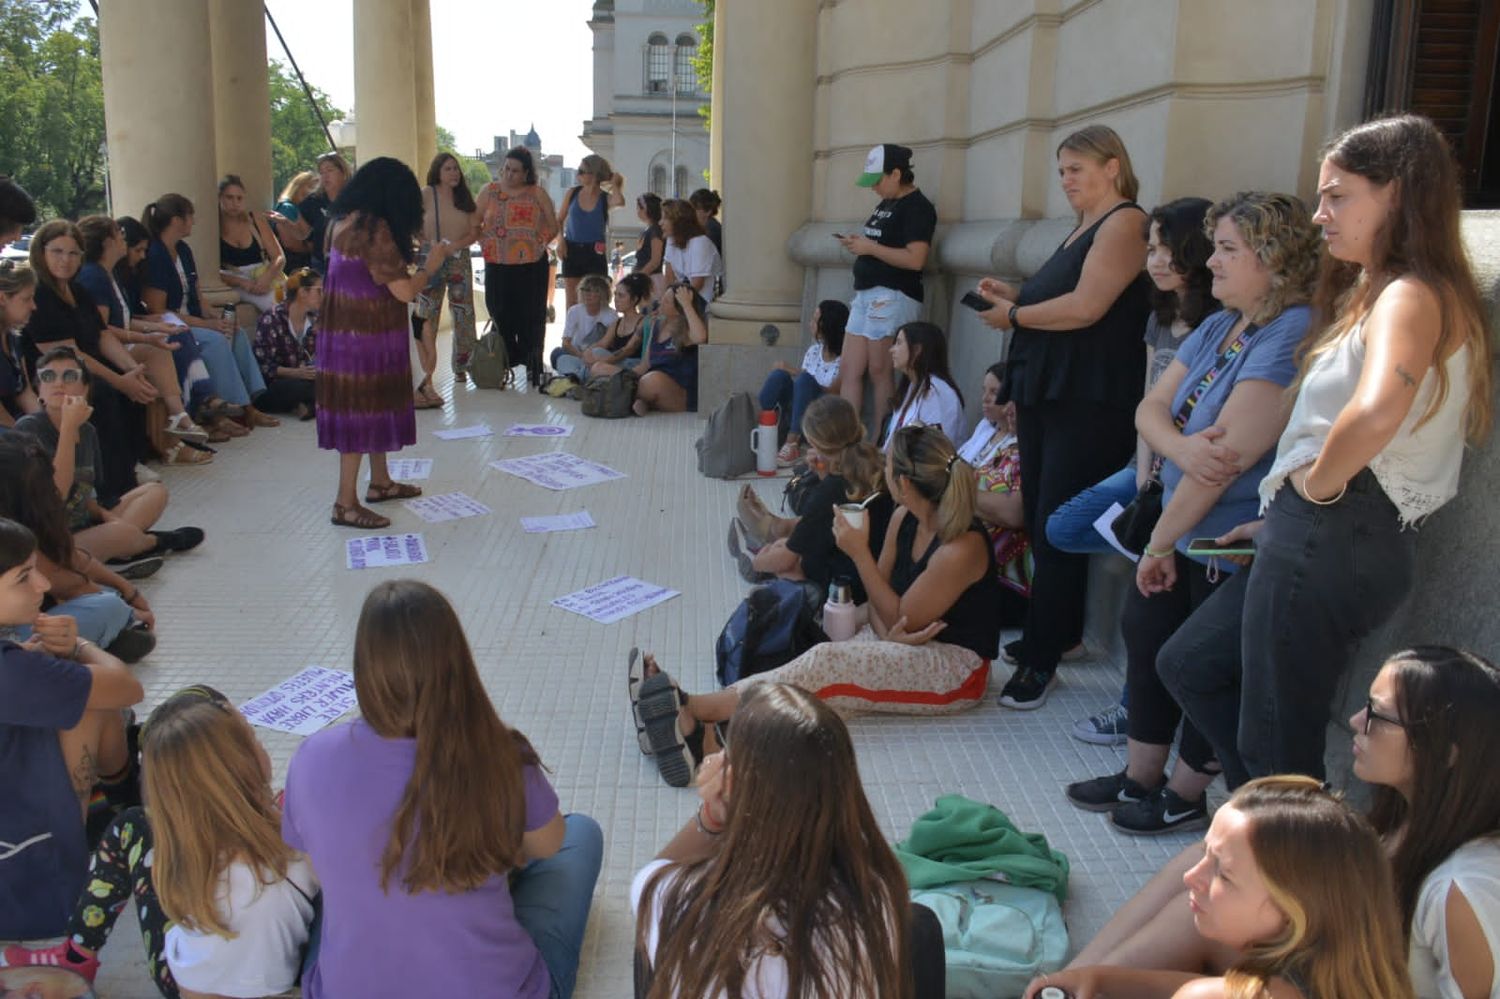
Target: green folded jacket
962 840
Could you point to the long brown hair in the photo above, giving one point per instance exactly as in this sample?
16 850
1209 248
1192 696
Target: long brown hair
415 679
1326 872
463 198
827 881
56 229
1448 700
684 220
211 805
833 427
1421 238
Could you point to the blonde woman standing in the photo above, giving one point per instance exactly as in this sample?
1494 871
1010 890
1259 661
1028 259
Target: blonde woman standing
584 217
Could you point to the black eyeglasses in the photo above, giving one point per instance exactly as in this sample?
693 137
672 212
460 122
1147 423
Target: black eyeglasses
69 376
1371 716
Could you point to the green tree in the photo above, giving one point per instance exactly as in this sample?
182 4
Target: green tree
703 58
52 105
297 138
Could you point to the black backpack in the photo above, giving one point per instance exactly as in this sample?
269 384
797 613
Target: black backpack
775 624
610 397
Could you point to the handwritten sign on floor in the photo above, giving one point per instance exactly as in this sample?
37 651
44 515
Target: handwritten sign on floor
538 430
304 703
463 433
615 599
408 469
558 470
380 551
446 506
561 522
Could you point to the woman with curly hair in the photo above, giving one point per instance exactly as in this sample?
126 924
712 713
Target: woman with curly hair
1214 416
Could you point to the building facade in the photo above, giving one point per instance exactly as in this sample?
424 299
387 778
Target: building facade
646 99
551 173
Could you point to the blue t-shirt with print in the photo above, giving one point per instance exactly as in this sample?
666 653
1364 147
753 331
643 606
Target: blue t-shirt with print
44 856
1268 356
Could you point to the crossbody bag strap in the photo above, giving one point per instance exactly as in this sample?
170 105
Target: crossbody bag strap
1191 400
437 216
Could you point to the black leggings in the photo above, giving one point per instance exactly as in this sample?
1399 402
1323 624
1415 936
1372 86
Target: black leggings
284 394
516 296
1147 623
1066 447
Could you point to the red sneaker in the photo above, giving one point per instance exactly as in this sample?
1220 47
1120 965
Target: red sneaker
61 955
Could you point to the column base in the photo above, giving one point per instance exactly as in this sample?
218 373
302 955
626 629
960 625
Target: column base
742 321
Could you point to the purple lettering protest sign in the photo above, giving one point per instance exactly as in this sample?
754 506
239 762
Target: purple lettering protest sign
447 506
384 550
538 430
558 470
615 599
304 703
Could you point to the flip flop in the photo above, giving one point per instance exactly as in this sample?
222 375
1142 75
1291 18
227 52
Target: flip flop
659 704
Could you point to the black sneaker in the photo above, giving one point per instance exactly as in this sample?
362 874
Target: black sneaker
1162 811
1105 793
181 540
1027 689
137 567
132 645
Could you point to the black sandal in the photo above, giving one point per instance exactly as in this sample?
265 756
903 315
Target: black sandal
657 710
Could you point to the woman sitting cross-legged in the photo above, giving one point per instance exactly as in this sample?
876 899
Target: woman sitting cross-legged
1426 739
621 346
669 371
932 631
447 869
286 345
585 328
794 389
742 902
1293 882
849 470
109 527
224 906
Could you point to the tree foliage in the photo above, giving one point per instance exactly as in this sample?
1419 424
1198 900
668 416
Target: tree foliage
52 105
297 138
703 59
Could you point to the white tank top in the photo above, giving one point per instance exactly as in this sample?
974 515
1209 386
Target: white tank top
1418 469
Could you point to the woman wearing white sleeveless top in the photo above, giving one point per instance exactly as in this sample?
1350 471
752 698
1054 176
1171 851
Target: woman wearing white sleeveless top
1387 394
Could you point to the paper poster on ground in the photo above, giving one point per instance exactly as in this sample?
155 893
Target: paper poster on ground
538 430
561 522
408 469
446 506
381 551
615 599
558 470
463 433
304 703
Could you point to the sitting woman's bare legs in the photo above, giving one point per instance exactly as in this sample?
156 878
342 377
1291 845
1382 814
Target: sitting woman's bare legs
94 748
658 391
162 373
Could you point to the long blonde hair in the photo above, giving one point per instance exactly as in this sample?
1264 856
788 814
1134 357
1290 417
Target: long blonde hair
928 459
299 187
210 805
1419 237
1328 875
833 427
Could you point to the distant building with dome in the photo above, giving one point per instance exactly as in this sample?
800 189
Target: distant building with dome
643 51
551 174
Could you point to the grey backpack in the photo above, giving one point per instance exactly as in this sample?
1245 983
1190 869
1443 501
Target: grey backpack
609 397
724 449
489 365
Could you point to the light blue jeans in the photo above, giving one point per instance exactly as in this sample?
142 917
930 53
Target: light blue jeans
1071 526
100 617
231 365
552 899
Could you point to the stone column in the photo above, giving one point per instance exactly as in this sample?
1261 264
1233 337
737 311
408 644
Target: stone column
421 22
165 143
385 90
767 196
242 97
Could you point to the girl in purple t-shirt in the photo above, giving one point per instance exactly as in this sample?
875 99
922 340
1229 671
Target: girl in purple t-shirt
445 864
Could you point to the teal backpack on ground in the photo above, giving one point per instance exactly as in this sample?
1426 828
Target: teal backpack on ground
997 891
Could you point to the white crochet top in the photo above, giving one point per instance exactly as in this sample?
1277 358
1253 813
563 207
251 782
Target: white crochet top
1418 469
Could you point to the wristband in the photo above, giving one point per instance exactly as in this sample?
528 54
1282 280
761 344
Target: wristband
703 827
79 646
1011 316
1146 552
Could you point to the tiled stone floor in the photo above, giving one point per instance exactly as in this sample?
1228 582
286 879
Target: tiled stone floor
268 594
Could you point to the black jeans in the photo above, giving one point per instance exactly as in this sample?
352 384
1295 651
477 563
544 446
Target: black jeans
283 394
121 426
1147 623
1323 578
1066 447
516 297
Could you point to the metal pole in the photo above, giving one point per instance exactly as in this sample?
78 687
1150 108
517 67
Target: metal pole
302 80
673 184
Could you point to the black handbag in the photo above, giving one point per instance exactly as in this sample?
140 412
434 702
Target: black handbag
798 488
1135 523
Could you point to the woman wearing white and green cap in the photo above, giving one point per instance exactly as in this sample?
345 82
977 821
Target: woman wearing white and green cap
889 256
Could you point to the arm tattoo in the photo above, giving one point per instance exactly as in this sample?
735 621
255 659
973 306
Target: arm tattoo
1405 376
85 775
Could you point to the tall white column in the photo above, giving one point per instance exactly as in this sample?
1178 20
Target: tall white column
159 114
242 96
767 192
421 19
385 90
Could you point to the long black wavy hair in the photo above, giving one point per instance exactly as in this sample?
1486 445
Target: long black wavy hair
385 190
1181 224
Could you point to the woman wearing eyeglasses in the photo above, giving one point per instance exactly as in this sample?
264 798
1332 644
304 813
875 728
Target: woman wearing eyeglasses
1427 740
584 218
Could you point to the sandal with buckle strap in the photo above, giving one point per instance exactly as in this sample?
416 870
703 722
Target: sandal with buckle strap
391 491
358 516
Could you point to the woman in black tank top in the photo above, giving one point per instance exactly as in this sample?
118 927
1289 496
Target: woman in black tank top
1073 371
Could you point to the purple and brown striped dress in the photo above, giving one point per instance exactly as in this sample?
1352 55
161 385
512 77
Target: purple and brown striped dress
364 361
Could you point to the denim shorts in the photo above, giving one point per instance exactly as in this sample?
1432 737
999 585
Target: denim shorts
876 313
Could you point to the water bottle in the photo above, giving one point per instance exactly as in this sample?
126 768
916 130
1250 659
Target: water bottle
227 314
763 442
840 616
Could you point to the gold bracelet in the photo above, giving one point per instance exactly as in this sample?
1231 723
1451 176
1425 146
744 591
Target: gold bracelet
1330 500
1146 552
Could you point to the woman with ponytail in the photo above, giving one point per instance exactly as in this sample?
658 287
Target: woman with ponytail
933 601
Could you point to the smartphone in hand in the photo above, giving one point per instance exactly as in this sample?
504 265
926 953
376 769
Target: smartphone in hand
1211 546
976 301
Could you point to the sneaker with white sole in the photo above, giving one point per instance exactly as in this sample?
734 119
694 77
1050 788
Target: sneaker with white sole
1102 794
1027 689
1162 811
1109 727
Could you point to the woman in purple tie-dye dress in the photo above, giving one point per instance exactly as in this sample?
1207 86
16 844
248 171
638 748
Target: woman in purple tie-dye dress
363 358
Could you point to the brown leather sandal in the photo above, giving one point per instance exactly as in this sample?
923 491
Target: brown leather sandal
358 516
391 491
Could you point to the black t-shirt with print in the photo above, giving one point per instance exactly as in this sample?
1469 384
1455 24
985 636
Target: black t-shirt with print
896 222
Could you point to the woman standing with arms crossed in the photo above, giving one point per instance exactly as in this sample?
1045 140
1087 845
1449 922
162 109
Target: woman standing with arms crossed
1074 374
584 217
517 221
1387 394
889 255
448 212
364 399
